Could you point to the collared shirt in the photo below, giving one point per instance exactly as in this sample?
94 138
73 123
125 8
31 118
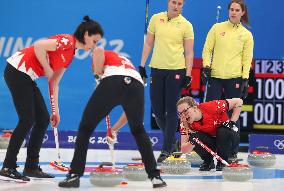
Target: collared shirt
168 52
232 48
214 113
26 61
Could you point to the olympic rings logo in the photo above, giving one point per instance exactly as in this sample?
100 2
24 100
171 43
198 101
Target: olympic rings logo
279 144
154 140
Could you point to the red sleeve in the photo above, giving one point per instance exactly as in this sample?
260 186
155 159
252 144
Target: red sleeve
63 41
222 106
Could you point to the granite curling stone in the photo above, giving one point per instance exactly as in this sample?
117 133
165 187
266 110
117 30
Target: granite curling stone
135 172
5 139
106 176
261 159
237 172
173 165
194 158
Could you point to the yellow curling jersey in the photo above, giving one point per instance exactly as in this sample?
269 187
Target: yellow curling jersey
168 52
232 48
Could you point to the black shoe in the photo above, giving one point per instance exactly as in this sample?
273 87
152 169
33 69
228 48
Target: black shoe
234 159
158 182
71 180
12 174
36 173
205 166
163 156
219 166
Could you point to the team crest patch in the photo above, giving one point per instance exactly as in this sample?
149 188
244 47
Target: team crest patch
178 25
237 86
177 77
162 20
222 33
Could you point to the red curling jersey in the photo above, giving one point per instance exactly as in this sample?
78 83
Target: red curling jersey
26 61
214 113
116 64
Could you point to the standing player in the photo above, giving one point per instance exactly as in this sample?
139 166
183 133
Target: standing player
172 36
46 58
210 123
120 84
229 45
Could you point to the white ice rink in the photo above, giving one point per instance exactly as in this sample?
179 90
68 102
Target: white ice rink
270 179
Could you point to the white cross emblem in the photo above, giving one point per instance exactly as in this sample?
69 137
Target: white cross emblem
65 41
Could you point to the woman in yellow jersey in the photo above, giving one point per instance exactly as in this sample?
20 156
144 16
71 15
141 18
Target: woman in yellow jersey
227 56
172 36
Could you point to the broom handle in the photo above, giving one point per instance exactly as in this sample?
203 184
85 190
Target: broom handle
55 130
210 151
111 146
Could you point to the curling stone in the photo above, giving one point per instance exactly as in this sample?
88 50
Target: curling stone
5 139
172 165
237 172
135 172
261 159
106 176
194 158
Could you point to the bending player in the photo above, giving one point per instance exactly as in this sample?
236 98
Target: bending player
209 122
120 84
46 58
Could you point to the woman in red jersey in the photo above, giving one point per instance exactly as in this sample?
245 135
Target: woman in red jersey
120 84
46 58
209 122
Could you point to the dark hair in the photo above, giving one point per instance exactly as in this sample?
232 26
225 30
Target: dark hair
90 26
244 18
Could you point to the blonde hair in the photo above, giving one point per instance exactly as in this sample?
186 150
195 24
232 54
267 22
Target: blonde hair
189 100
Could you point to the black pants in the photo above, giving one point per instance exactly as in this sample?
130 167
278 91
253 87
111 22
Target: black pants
113 91
165 92
231 89
223 143
32 113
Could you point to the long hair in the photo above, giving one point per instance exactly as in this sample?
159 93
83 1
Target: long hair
245 17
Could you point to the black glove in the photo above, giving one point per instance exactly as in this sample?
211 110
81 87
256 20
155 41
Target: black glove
187 82
230 125
244 88
143 73
191 136
97 78
206 75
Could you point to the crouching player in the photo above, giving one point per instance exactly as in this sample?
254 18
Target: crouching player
210 123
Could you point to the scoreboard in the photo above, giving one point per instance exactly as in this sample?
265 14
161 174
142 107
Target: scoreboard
263 108
268 94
